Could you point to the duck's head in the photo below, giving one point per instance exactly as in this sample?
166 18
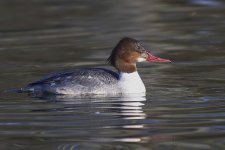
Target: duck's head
128 52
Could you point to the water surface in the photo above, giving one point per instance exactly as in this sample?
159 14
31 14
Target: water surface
185 103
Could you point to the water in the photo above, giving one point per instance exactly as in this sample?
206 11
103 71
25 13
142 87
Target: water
185 103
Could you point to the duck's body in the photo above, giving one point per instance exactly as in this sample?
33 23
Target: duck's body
98 80
89 81
79 81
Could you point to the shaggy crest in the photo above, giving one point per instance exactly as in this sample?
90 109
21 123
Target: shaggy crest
123 46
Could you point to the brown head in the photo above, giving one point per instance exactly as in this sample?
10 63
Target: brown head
128 52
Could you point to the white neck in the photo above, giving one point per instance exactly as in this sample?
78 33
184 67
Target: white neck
131 83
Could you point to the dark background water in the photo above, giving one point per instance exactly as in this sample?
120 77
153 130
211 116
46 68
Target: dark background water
185 103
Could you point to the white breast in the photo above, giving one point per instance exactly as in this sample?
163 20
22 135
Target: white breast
131 83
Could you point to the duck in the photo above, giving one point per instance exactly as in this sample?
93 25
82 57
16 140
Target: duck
85 81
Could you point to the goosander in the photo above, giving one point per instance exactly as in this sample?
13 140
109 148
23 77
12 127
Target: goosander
123 57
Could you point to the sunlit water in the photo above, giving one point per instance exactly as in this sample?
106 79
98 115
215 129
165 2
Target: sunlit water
185 103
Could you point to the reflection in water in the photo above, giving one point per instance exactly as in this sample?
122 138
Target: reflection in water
98 119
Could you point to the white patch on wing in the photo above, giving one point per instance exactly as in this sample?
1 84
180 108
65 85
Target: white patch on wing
57 79
68 77
53 83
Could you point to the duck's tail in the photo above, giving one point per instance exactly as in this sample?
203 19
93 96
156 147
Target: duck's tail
18 90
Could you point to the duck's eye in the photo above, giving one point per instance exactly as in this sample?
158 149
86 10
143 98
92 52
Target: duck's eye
138 46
